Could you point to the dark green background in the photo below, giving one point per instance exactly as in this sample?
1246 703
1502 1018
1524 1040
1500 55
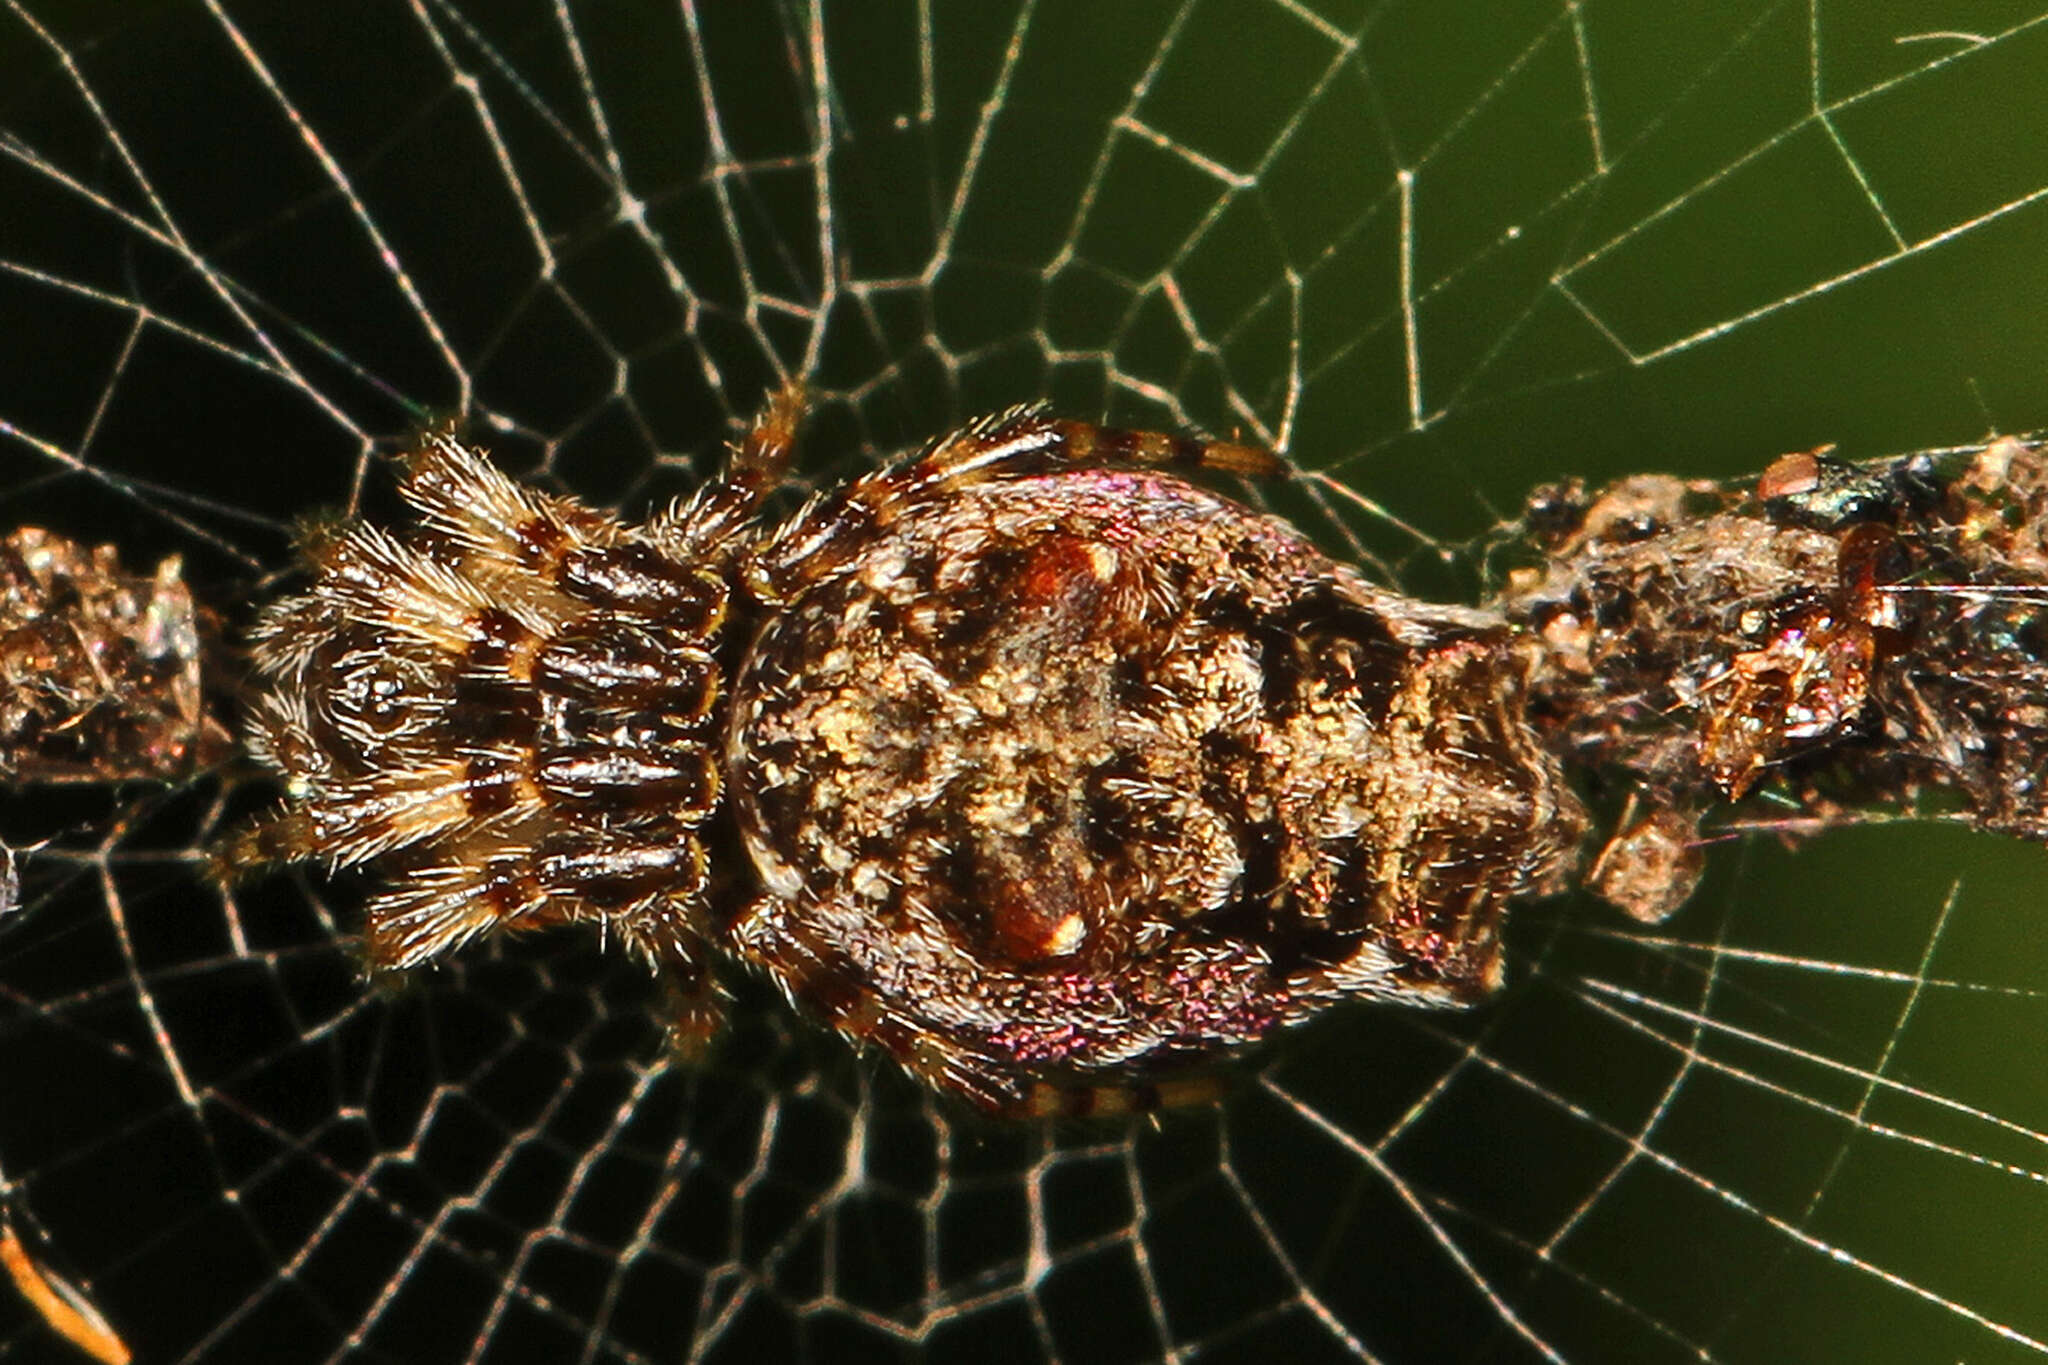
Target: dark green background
1804 1122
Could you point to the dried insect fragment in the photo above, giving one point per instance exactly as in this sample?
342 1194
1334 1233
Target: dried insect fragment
100 669
1846 636
1051 769
1651 863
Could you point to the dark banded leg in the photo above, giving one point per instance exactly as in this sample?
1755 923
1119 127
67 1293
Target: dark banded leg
436 908
1018 443
469 504
668 934
433 911
714 527
1045 1100
775 935
764 455
1030 440
277 839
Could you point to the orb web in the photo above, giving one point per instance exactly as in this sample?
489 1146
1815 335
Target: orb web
248 250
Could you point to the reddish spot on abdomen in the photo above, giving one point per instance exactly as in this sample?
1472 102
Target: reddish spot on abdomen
1065 573
1036 918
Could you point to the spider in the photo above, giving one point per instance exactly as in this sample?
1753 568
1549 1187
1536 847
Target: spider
1022 758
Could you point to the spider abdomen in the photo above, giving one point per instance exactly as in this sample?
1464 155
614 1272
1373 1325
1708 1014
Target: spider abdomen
1092 768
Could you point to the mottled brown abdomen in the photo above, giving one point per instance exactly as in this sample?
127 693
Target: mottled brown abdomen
1096 768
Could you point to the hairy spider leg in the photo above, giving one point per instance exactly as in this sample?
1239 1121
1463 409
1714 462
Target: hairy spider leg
817 979
762 458
714 525
1016 443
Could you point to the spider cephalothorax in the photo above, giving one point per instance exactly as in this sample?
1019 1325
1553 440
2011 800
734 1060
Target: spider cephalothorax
1051 769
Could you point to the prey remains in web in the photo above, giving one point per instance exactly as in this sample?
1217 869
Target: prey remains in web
1054 775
